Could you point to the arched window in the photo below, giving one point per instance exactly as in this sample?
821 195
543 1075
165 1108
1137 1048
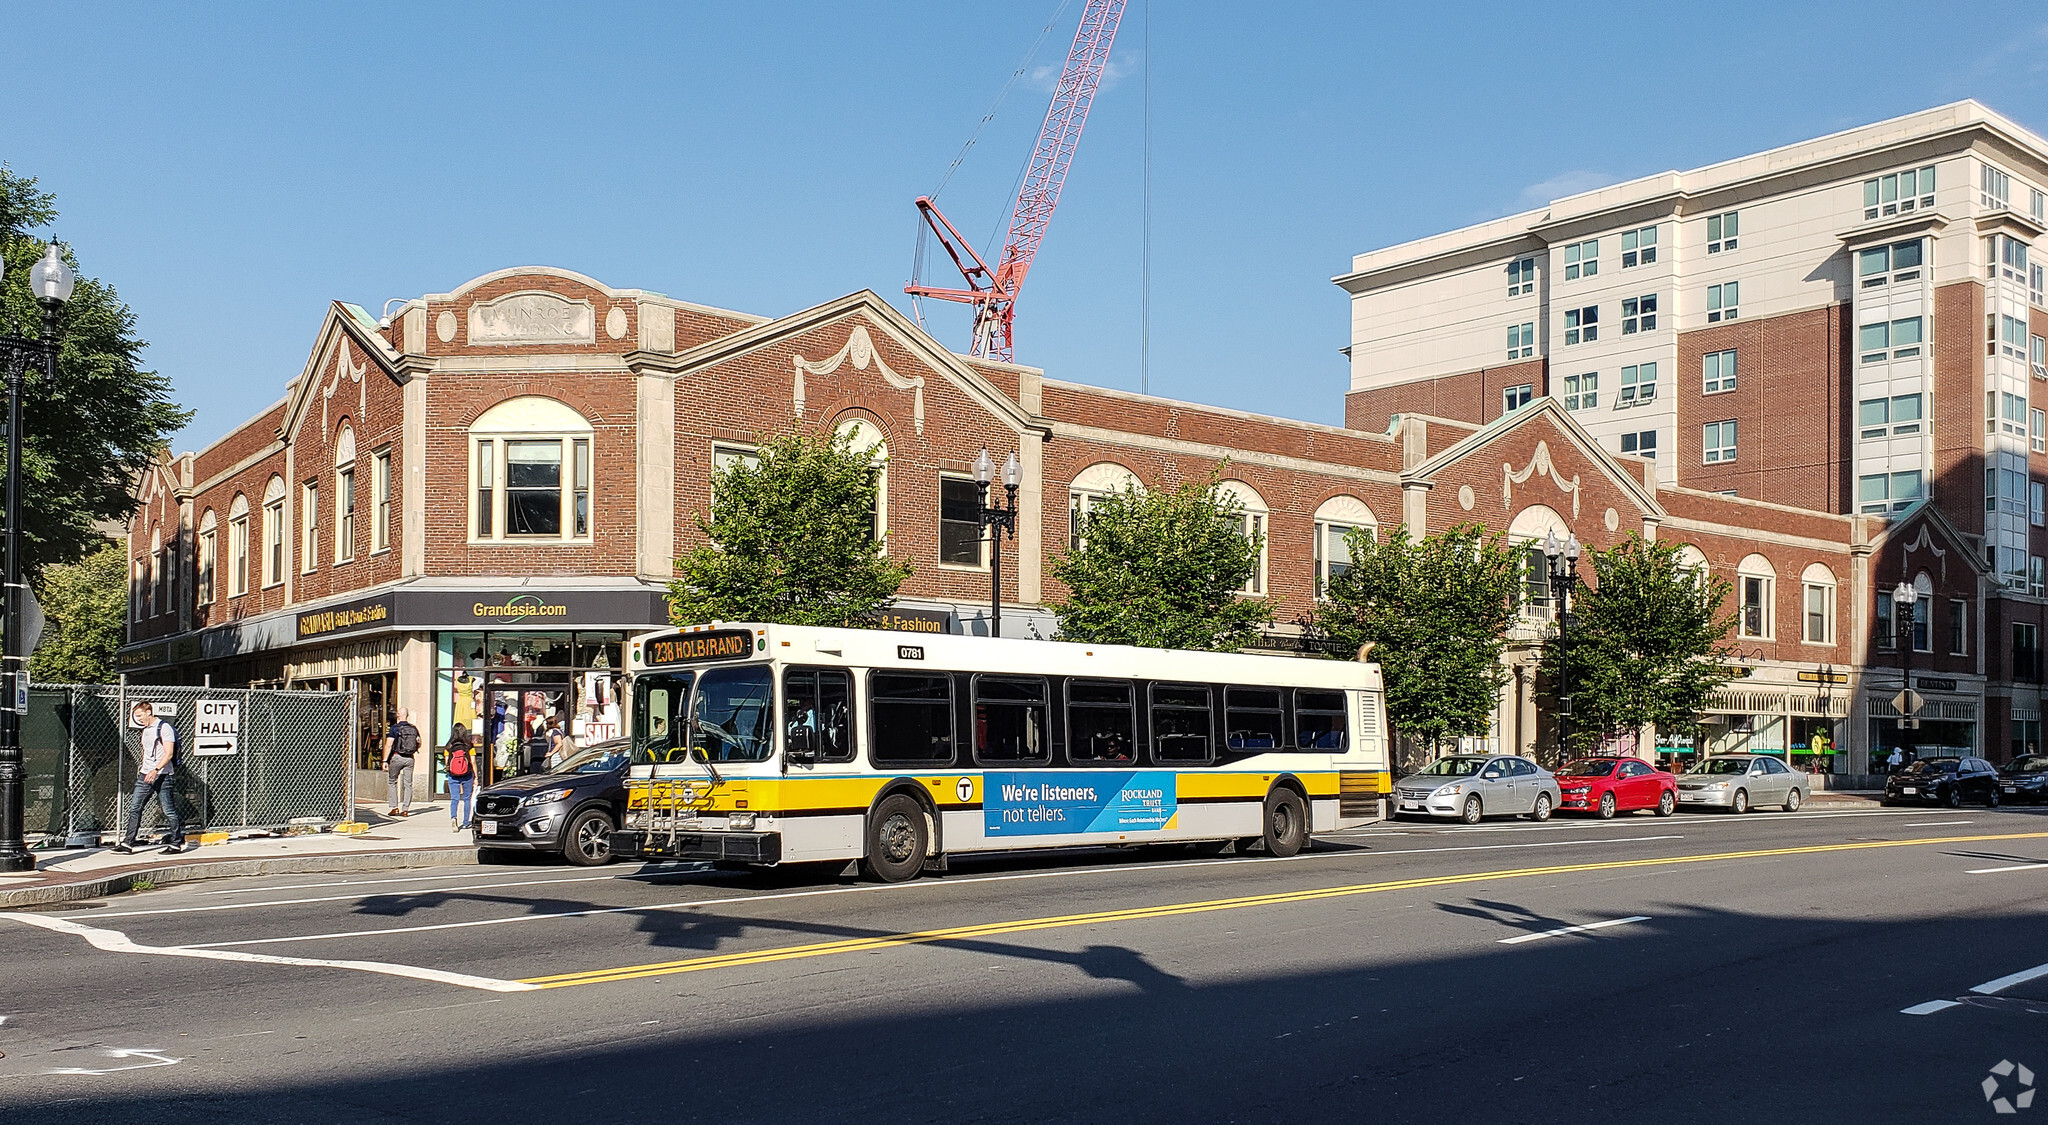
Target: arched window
238 544
1090 486
1530 527
1335 519
273 536
135 582
529 472
1755 593
154 576
209 552
1252 522
345 494
1818 599
863 436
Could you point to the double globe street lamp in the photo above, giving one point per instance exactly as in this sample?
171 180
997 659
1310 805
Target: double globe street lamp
1563 559
998 519
51 280
1905 607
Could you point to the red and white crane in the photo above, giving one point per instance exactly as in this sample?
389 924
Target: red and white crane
993 292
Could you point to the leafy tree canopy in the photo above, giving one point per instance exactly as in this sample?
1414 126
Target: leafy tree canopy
1437 611
84 604
101 420
1164 569
792 540
1647 646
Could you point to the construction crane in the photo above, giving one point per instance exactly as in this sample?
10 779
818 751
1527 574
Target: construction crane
993 292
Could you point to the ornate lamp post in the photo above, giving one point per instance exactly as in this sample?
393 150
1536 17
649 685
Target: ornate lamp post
1905 603
1563 555
51 281
998 519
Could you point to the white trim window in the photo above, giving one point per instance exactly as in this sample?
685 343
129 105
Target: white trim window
1639 314
2006 256
960 537
2037 286
1638 247
1897 416
1754 582
1717 442
1522 340
1881 494
1894 339
2037 353
380 479
309 526
1582 392
1521 276
1818 604
2005 490
1717 372
2008 334
1516 397
273 537
1582 259
209 555
1638 384
1878 266
2037 502
2037 429
1994 188
1090 487
1252 525
345 496
1722 230
2037 204
530 472
863 436
1959 617
1642 443
1335 520
1899 192
1582 325
1722 300
238 546
2005 412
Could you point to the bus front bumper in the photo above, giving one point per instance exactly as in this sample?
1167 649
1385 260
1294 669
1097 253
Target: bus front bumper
732 847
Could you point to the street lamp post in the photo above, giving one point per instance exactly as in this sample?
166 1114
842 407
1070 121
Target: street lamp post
1563 556
1905 603
998 519
51 281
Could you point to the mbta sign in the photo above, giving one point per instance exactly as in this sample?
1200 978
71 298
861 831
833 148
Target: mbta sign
219 727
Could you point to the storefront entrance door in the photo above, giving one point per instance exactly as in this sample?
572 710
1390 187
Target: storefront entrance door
514 716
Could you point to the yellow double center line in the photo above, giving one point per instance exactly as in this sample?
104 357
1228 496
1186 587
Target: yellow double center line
1168 910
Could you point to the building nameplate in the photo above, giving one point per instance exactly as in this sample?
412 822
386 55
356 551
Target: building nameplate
532 318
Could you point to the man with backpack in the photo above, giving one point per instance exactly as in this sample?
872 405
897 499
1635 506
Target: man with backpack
401 743
158 778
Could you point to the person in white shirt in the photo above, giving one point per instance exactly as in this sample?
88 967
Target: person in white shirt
158 778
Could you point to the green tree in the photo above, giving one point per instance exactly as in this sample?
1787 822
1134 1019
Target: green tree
792 540
1163 569
84 604
1436 610
87 433
1647 647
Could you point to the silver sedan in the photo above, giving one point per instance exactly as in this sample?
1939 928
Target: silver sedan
1739 782
1472 786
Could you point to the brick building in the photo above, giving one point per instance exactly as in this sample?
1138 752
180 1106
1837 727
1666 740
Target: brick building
467 507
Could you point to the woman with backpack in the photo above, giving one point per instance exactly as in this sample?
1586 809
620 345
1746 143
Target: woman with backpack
461 778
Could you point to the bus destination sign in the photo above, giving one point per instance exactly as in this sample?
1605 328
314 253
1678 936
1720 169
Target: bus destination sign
695 648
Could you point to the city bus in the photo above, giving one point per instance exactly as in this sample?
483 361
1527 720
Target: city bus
779 744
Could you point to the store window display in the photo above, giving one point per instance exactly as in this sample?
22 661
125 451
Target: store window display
521 692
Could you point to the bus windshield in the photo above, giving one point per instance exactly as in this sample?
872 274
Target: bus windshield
730 722
660 704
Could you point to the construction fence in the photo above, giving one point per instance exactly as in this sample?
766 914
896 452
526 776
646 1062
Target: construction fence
246 757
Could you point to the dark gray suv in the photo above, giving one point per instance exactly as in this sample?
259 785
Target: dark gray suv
572 809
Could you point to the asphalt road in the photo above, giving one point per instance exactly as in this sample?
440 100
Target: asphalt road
1749 968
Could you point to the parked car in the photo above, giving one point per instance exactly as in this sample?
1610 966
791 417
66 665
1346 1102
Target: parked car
1738 782
1608 785
2025 778
572 809
1474 786
1943 781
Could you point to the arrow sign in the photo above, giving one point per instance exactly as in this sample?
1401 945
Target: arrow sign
155 1056
1908 702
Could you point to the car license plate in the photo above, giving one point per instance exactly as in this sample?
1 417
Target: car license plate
2012 788
487 827
1909 791
1412 808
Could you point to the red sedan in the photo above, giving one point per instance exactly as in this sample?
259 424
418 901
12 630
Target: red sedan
1610 785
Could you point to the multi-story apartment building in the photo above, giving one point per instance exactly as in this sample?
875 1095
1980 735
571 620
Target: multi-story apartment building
1851 325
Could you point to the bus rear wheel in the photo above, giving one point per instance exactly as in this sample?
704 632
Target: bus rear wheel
1286 823
897 840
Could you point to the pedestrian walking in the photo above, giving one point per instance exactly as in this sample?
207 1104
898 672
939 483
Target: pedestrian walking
461 778
1892 763
159 778
401 743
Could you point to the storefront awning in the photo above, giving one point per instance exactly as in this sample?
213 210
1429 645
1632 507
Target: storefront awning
1809 705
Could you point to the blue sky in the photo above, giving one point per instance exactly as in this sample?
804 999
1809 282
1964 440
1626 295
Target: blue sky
232 168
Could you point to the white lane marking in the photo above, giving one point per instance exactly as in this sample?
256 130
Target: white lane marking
2002 983
1928 1008
678 869
2015 867
1575 929
327 898
114 941
154 1054
595 911
1935 823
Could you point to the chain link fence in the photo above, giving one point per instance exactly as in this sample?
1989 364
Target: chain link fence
293 756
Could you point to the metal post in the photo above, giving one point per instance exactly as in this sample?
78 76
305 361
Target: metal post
995 582
14 853
997 519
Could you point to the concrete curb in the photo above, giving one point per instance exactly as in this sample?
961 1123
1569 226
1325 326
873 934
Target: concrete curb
99 886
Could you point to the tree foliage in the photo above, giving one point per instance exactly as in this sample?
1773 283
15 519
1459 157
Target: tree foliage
84 604
88 432
1164 569
1647 646
1437 611
791 540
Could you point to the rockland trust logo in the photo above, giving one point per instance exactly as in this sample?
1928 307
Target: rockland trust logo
525 605
2009 1087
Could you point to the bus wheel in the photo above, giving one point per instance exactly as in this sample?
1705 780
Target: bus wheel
1286 823
897 840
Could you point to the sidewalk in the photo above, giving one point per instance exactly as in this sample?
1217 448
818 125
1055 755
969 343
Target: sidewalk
420 840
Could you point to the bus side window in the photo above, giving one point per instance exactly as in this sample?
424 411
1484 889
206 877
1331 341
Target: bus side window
1010 719
1319 720
1101 722
1180 722
1251 716
911 717
818 700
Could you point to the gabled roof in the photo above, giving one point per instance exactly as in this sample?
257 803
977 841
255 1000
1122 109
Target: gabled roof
1573 433
1932 523
344 321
